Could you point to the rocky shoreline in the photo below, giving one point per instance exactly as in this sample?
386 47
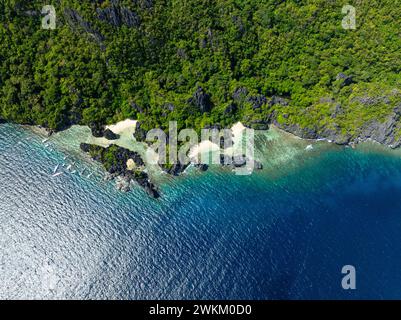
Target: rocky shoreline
177 168
380 132
116 161
384 133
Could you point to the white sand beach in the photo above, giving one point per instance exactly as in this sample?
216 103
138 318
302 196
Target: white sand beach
124 127
202 148
207 146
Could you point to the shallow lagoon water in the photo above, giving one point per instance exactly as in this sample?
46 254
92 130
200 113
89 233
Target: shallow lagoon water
282 233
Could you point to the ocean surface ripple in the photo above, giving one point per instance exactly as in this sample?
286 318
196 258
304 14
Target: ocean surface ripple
283 233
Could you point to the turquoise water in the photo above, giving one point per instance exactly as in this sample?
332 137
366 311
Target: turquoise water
283 233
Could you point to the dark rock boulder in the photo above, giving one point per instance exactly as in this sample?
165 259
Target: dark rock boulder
257 165
231 108
145 4
139 134
257 101
240 93
142 178
201 100
202 166
97 129
32 13
345 80
85 147
239 161
110 135
277 100
169 107
327 100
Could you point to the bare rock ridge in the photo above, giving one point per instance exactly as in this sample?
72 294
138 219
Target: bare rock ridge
118 16
383 132
115 15
75 20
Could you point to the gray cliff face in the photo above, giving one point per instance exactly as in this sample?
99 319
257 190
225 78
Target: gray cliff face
76 22
305 133
118 16
381 132
115 16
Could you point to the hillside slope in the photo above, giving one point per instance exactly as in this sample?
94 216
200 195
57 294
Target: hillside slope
205 62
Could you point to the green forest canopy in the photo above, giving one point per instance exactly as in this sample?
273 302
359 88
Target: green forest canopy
148 59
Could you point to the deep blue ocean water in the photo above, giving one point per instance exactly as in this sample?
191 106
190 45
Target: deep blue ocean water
211 236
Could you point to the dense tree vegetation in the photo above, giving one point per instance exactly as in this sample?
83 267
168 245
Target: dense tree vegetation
200 62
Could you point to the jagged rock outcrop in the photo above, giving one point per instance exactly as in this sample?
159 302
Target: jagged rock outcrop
345 80
76 22
115 159
306 133
140 133
97 129
118 16
335 135
142 178
383 132
110 135
338 111
201 100
100 131
257 101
